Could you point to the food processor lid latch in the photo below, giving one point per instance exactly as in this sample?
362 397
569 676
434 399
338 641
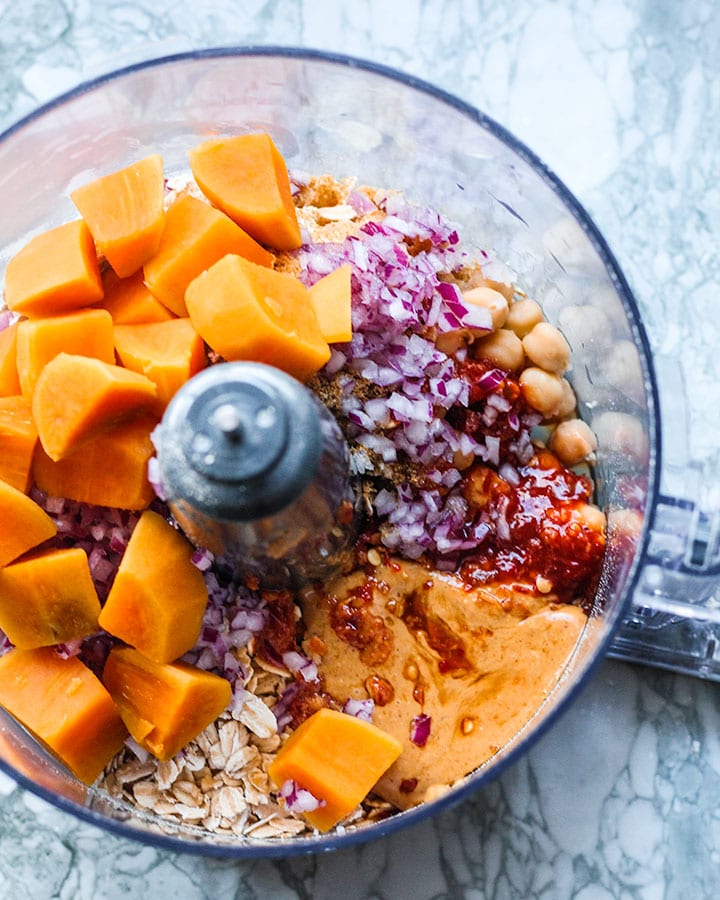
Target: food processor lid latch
674 619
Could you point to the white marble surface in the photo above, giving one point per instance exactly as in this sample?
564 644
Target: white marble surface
622 100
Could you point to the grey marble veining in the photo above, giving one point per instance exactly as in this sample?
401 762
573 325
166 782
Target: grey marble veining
622 99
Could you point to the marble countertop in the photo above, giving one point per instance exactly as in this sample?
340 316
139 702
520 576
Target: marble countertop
621 799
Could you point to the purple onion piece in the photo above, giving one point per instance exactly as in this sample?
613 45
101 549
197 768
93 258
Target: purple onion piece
420 729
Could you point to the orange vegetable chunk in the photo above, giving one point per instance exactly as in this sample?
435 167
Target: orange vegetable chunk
65 706
18 437
195 237
245 311
331 300
111 470
77 398
164 705
168 353
56 271
48 598
158 598
338 758
23 524
246 177
125 213
129 301
88 332
9 380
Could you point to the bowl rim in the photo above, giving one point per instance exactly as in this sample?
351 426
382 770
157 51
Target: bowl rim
245 848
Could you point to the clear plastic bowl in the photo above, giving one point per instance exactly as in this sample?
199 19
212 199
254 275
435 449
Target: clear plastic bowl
343 116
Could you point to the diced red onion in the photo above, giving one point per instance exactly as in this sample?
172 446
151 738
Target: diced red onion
140 753
361 709
202 559
420 729
509 473
492 445
69 648
491 379
281 710
360 202
239 696
155 478
336 362
297 799
297 663
498 402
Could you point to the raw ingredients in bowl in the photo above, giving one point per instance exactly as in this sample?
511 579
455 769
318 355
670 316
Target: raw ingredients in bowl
479 546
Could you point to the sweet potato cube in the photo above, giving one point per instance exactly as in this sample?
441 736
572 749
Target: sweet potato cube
77 398
65 706
338 758
245 311
163 705
87 332
125 213
111 470
9 380
158 598
48 598
18 437
168 353
195 237
246 177
23 524
56 271
331 299
130 302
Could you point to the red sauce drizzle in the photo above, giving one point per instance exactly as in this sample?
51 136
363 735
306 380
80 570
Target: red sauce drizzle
353 620
280 632
443 641
536 530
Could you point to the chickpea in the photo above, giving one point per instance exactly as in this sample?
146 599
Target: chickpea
523 316
623 370
451 341
479 484
462 461
625 523
569 401
503 348
491 300
621 433
502 287
586 326
542 390
590 516
547 348
572 441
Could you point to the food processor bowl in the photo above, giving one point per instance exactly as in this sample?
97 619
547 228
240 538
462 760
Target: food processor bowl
332 114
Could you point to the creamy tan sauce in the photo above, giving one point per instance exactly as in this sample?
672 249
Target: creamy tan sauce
509 649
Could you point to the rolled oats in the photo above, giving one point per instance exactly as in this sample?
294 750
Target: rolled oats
256 715
147 795
166 774
228 803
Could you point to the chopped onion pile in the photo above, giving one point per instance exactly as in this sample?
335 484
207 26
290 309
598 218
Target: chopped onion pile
100 531
234 615
397 388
